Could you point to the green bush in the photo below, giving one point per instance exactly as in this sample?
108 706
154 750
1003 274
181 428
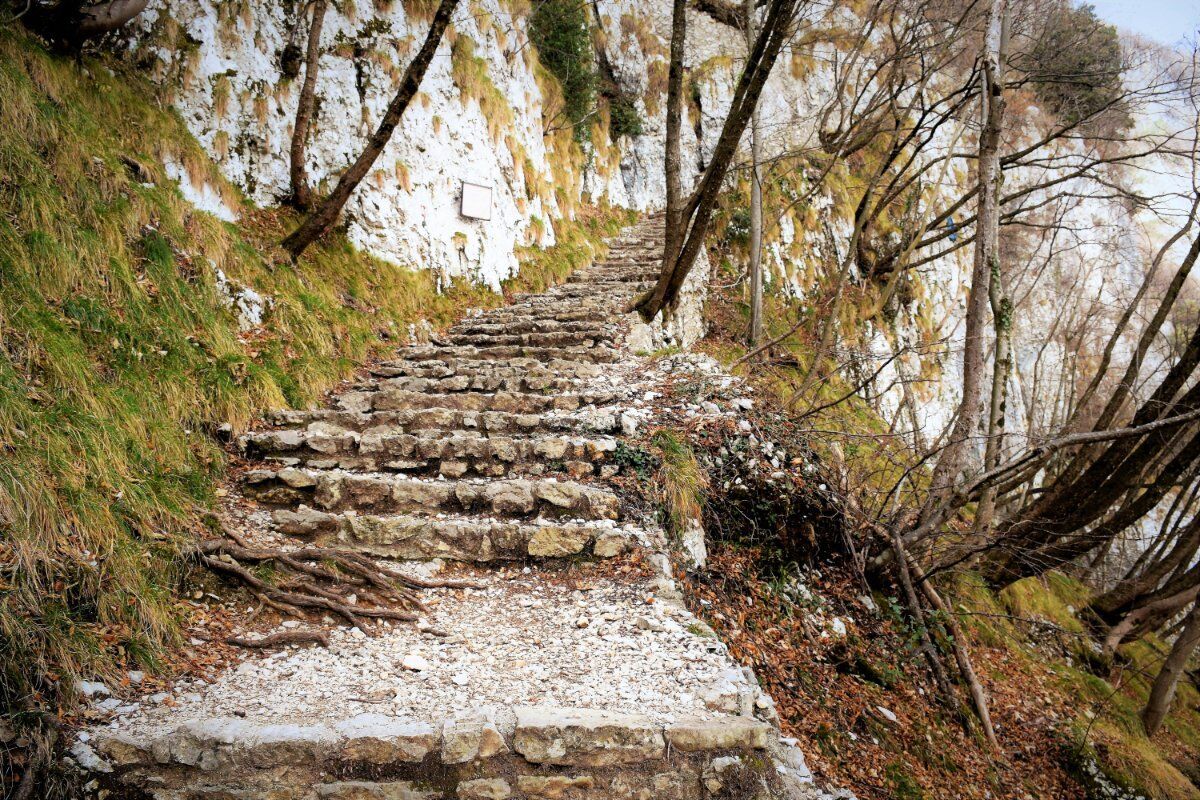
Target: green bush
1076 65
624 117
559 29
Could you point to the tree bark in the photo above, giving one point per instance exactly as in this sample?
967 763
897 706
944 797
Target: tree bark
1163 690
987 256
756 225
106 17
1147 617
672 160
1126 593
301 191
324 215
71 22
1002 312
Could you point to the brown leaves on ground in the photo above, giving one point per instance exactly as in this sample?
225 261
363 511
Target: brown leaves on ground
837 694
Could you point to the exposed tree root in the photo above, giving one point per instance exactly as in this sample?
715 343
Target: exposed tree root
346 584
280 639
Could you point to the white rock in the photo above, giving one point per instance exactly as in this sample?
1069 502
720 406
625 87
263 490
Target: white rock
415 662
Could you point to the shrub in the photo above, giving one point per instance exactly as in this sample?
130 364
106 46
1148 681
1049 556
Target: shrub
559 29
625 119
1076 64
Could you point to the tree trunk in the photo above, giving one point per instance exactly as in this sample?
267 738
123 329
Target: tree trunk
987 256
324 215
1163 691
301 191
1125 594
696 214
1002 312
101 19
1148 617
71 22
672 160
756 228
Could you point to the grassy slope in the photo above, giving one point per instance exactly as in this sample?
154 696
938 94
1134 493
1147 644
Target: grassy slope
1043 696
120 360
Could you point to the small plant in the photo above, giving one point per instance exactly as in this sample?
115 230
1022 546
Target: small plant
636 459
624 117
903 785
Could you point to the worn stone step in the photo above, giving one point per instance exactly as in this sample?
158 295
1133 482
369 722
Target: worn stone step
390 398
456 538
452 455
640 276
490 382
586 420
558 311
338 490
542 689
545 339
497 368
597 354
488 325
532 752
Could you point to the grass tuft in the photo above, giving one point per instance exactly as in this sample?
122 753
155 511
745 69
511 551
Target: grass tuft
682 481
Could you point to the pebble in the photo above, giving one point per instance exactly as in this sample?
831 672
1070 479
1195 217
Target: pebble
414 662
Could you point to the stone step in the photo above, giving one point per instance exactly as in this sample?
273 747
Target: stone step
558 312
338 490
547 339
493 382
497 368
544 753
488 325
598 354
390 398
541 689
451 455
622 276
333 421
455 538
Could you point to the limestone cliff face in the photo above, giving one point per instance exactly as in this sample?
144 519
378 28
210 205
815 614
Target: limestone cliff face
481 117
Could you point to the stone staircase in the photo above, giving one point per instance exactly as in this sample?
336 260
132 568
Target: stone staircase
492 446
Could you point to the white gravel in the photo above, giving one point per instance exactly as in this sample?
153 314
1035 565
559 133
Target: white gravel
520 640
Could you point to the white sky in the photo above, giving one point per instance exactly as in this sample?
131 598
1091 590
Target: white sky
1168 21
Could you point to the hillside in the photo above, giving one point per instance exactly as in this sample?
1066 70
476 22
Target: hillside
140 333
897 494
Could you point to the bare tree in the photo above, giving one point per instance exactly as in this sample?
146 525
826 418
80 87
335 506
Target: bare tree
987 247
326 212
687 221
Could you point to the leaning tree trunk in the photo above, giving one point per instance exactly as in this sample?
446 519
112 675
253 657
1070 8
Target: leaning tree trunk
324 215
1163 691
72 22
696 213
301 190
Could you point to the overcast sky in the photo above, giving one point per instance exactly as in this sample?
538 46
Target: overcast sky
1168 21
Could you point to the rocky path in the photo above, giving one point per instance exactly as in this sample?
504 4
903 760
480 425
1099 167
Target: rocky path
489 448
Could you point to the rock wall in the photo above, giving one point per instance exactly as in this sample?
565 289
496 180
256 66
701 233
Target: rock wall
480 117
